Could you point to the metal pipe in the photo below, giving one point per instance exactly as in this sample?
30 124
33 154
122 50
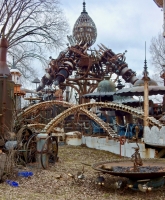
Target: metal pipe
4 70
3 104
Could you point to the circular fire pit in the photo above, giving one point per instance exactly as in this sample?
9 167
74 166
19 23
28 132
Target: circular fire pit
151 168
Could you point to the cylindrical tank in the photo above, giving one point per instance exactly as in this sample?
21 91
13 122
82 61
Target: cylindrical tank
6 92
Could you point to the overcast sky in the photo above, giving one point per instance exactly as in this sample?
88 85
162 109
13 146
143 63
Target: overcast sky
121 25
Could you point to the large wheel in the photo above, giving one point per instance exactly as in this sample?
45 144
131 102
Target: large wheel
31 149
23 135
50 147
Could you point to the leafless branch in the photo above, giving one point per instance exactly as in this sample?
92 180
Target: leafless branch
40 23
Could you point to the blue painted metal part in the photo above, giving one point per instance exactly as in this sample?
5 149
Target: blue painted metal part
40 142
130 131
96 127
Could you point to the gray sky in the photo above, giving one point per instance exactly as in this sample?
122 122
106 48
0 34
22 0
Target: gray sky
121 25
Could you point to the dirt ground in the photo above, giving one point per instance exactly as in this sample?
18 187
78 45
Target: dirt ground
60 181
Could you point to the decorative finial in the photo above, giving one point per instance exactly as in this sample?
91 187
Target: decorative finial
119 85
145 72
84 8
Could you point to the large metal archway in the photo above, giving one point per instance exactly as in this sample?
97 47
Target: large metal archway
84 108
38 106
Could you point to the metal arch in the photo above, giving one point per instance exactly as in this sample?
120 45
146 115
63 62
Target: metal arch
154 122
79 108
39 125
39 105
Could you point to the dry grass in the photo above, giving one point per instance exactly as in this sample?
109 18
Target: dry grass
55 184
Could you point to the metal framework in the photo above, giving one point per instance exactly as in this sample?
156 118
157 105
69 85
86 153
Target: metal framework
84 108
82 70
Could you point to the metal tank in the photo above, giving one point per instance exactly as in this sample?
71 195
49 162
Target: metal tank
6 92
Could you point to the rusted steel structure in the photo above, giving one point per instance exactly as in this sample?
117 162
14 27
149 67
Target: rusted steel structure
82 68
89 69
6 91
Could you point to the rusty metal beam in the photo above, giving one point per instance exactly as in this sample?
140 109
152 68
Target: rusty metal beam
159 3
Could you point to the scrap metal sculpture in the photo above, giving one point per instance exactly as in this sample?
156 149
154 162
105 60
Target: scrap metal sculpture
136 159
87 66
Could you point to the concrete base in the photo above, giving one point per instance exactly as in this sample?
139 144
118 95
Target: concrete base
73 141
73 138
113 146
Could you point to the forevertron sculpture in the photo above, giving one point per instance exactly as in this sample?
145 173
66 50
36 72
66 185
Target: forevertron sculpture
87 66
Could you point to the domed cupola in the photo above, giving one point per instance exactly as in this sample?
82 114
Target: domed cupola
106 85
140 82
84 30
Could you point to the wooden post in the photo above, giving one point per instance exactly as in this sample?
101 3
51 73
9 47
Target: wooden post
146 92
146 100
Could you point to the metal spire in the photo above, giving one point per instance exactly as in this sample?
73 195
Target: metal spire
145 72
84 7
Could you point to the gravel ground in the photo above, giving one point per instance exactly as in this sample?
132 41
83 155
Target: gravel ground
60 181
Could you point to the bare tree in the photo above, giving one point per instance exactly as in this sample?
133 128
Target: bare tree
32 27
157 50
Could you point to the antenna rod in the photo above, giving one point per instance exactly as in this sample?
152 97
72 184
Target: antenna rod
145 50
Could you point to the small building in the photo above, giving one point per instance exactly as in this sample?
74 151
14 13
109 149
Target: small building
16 78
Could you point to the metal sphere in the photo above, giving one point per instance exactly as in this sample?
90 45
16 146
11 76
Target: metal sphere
84 30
